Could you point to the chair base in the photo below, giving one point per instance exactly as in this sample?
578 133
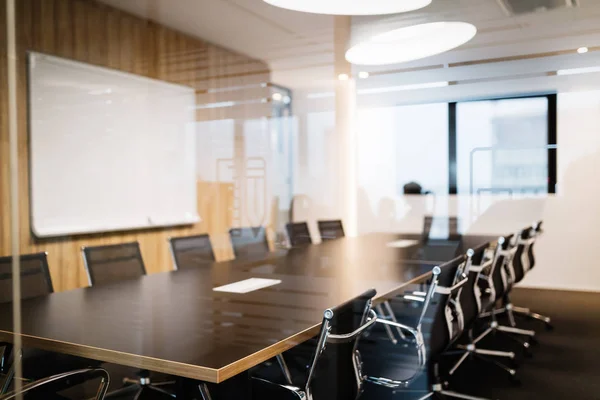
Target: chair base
511 311
438 392
526 312
137 386
445 394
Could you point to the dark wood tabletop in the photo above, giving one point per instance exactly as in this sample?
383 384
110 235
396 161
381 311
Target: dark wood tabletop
174 322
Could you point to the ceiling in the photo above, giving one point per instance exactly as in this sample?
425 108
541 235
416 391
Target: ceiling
299 47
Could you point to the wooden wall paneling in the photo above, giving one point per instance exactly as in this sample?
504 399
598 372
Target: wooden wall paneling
112 34
4 169
79 21
90 32
64 28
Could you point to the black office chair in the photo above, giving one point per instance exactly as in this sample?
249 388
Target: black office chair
335 370
191 251
113 263
433 340
35 277
330 230
469 308
46 388
494 286
519 266
298 234
249 242
35 282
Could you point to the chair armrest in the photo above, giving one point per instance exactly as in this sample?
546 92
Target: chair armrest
407 328
263 389
91 373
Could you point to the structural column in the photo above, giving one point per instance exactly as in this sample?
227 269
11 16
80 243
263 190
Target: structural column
344 143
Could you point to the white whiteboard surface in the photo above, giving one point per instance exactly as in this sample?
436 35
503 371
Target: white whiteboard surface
108 150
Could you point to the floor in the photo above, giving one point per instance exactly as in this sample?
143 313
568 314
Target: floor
565 364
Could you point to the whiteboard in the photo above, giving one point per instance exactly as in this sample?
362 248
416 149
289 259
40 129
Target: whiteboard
108 150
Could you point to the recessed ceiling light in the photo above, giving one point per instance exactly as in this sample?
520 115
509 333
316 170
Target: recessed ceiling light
411 43
277 96
363 74
582 50
343 77
345 7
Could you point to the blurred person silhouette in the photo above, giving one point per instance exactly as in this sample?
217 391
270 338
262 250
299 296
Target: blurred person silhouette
366 218
386 215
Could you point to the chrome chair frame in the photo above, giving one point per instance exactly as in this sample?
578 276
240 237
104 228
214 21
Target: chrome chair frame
305 393
493 325
437 389
508 308
93 372
470 349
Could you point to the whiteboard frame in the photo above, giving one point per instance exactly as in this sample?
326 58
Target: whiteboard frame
62 232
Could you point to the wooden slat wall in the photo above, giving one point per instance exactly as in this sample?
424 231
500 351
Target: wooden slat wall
97 34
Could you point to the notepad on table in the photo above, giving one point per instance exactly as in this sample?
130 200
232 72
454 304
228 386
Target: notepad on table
403 243
247 285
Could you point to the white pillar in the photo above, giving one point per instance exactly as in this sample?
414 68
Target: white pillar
345 123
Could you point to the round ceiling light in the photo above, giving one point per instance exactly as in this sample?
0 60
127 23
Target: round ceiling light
411 43
345 7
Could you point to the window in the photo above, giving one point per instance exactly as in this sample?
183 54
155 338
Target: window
502 147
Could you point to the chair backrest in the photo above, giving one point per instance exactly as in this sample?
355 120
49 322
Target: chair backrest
470 296
248 242
35 277
443 329
62 381
536 231
427 223
520 261
498 273
330 230
428 220
298 234
191 251
335 372
113 263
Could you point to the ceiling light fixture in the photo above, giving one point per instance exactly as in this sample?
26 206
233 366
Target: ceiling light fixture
345 7
411 43
582 50
414 86
277 96
577 71
343 77
363 74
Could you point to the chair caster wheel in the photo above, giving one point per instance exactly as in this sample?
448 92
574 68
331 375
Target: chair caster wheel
549 327
527 353
513 364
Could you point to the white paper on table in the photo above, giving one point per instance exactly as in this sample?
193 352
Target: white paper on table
247 285
403 243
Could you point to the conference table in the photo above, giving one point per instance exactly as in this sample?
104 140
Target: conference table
176 323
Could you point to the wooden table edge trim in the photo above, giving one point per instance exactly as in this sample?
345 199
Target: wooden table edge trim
265 354
117 357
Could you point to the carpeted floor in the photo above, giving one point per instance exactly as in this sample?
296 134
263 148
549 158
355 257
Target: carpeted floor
565 364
